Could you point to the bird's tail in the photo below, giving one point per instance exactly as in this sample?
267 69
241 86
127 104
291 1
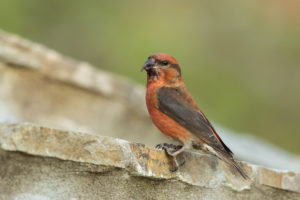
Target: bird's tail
238 168
233 164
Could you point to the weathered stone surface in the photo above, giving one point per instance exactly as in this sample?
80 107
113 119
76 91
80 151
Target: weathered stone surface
44 163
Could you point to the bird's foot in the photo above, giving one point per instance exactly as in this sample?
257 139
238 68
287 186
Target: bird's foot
177 150
168 146
176 162
174 166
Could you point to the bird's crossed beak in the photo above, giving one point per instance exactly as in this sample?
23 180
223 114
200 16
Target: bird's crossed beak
148 65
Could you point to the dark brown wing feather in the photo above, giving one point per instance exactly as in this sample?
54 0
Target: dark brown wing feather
178 104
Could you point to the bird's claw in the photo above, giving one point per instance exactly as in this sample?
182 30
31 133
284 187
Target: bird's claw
165 146
162 146
173 168
174 164
159 146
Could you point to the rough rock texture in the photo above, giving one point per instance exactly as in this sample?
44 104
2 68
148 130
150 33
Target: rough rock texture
45 163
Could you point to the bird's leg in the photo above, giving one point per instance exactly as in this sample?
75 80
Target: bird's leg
179 149
176 150
174 155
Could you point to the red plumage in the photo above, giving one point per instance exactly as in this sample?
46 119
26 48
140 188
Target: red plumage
176 114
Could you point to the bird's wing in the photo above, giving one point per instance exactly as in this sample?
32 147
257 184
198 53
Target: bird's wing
177 103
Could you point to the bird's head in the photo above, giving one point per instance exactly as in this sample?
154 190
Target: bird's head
162 67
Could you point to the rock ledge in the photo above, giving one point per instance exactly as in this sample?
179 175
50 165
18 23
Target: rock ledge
86 160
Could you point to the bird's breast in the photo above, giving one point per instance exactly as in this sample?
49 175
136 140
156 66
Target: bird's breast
163 122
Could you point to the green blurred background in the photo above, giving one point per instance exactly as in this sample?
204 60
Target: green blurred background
240 59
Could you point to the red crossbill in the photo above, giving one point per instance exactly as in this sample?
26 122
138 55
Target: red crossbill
176 114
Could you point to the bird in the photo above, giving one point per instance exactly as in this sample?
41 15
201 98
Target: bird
175 113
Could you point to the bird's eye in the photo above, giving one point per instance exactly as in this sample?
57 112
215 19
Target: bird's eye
165 62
